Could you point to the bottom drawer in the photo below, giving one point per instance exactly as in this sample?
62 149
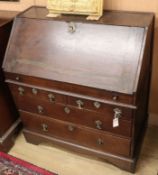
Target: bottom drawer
77 135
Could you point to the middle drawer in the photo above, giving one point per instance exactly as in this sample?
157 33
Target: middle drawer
65 98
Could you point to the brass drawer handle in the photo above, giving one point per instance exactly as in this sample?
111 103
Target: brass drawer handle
98 124
117 113
34 91
100 142
71 128
71 27
80 104
40 109
97 105
45 127
67 110
51 98
21 91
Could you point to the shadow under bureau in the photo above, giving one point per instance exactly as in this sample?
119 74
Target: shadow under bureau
82 85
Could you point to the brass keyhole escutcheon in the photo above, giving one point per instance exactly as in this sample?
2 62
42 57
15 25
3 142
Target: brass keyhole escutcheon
115 98
71 27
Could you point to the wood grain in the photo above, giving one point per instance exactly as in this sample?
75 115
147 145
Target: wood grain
81 48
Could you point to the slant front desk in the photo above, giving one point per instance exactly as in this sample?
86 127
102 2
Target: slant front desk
82 85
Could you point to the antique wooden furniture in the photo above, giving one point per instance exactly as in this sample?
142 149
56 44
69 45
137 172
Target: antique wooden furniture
84 89
8 115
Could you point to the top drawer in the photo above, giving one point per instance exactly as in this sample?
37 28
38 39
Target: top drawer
36 93
73 90
113 97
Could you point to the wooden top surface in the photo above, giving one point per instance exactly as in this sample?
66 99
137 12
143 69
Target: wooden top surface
136 19
5 16
100 56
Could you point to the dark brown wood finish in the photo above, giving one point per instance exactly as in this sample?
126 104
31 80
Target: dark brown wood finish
69 87
120 18
58 97
56 108
67 54
141 119
8 114
111 97
120 161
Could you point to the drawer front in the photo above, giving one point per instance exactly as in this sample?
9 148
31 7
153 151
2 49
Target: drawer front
103 122
36 93
74 134
100 107
113 97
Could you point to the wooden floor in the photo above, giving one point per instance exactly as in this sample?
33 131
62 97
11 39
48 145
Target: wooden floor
66 163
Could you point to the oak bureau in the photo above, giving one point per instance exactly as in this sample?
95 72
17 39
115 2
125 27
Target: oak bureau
82 85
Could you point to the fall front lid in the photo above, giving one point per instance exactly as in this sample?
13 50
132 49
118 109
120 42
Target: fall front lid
89 54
